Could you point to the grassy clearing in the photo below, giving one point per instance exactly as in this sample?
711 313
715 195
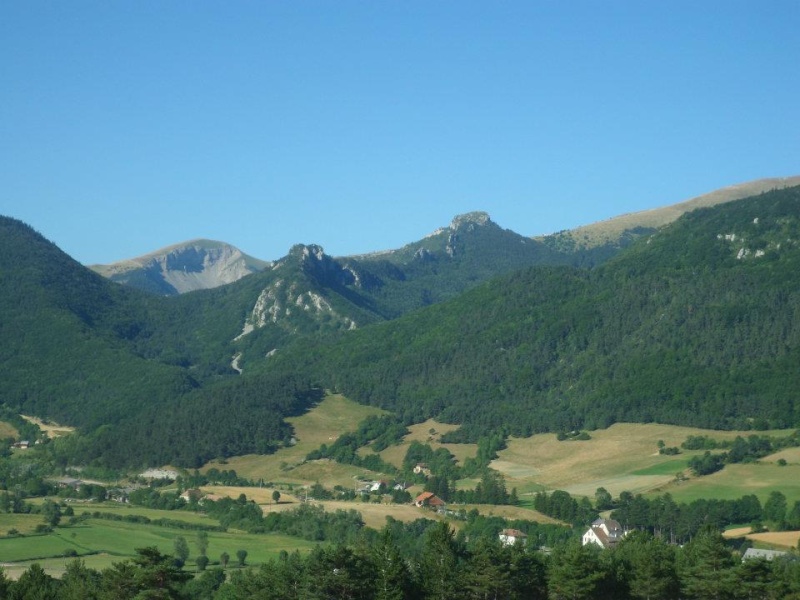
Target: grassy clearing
24 524
511 512
623 457
323 424
429 432
735 481
7 430
52 430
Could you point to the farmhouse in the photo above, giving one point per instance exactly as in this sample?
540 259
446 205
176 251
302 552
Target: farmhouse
509 537
603 532
430 500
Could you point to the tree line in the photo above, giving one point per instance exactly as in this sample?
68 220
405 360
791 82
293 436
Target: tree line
442 567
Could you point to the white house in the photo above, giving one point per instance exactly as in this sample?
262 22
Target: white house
603 532
509 537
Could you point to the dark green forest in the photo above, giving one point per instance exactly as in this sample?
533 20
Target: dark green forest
696 324
676 329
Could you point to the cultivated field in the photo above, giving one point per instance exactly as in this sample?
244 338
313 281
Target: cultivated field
100 543
778 539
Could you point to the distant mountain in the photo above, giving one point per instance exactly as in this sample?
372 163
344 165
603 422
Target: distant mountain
186 267
598 241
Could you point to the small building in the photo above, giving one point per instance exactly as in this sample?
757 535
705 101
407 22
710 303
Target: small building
603 532
509 537
21 445
376 486
121 494
760 553
192 495
429 500
68 482
422 468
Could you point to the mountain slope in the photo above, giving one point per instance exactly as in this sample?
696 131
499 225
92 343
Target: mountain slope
698 324
121 365
185 267
605 238
63 329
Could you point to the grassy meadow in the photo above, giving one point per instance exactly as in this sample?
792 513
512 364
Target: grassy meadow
100 543
7 430
735 481
324 423
429 432
625 457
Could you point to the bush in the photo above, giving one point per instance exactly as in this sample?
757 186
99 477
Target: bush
202 562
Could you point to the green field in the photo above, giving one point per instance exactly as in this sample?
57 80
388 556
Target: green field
100 543
735 481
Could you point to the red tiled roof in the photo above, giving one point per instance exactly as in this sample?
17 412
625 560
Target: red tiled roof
424 496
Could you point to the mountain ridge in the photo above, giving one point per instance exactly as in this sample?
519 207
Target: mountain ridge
622 229
205 264
184 267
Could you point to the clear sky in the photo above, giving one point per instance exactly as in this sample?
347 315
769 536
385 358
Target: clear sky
126 126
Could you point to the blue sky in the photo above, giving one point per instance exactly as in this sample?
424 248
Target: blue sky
362 126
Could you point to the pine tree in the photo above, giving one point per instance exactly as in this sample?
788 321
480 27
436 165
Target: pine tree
575 572
707 567
440 566
392 578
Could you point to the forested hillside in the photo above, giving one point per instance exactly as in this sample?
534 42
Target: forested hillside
128 369
698 324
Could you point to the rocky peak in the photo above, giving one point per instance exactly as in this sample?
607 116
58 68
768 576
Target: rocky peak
308 252
479 218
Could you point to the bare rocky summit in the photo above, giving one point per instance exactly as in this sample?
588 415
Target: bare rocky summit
193 265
